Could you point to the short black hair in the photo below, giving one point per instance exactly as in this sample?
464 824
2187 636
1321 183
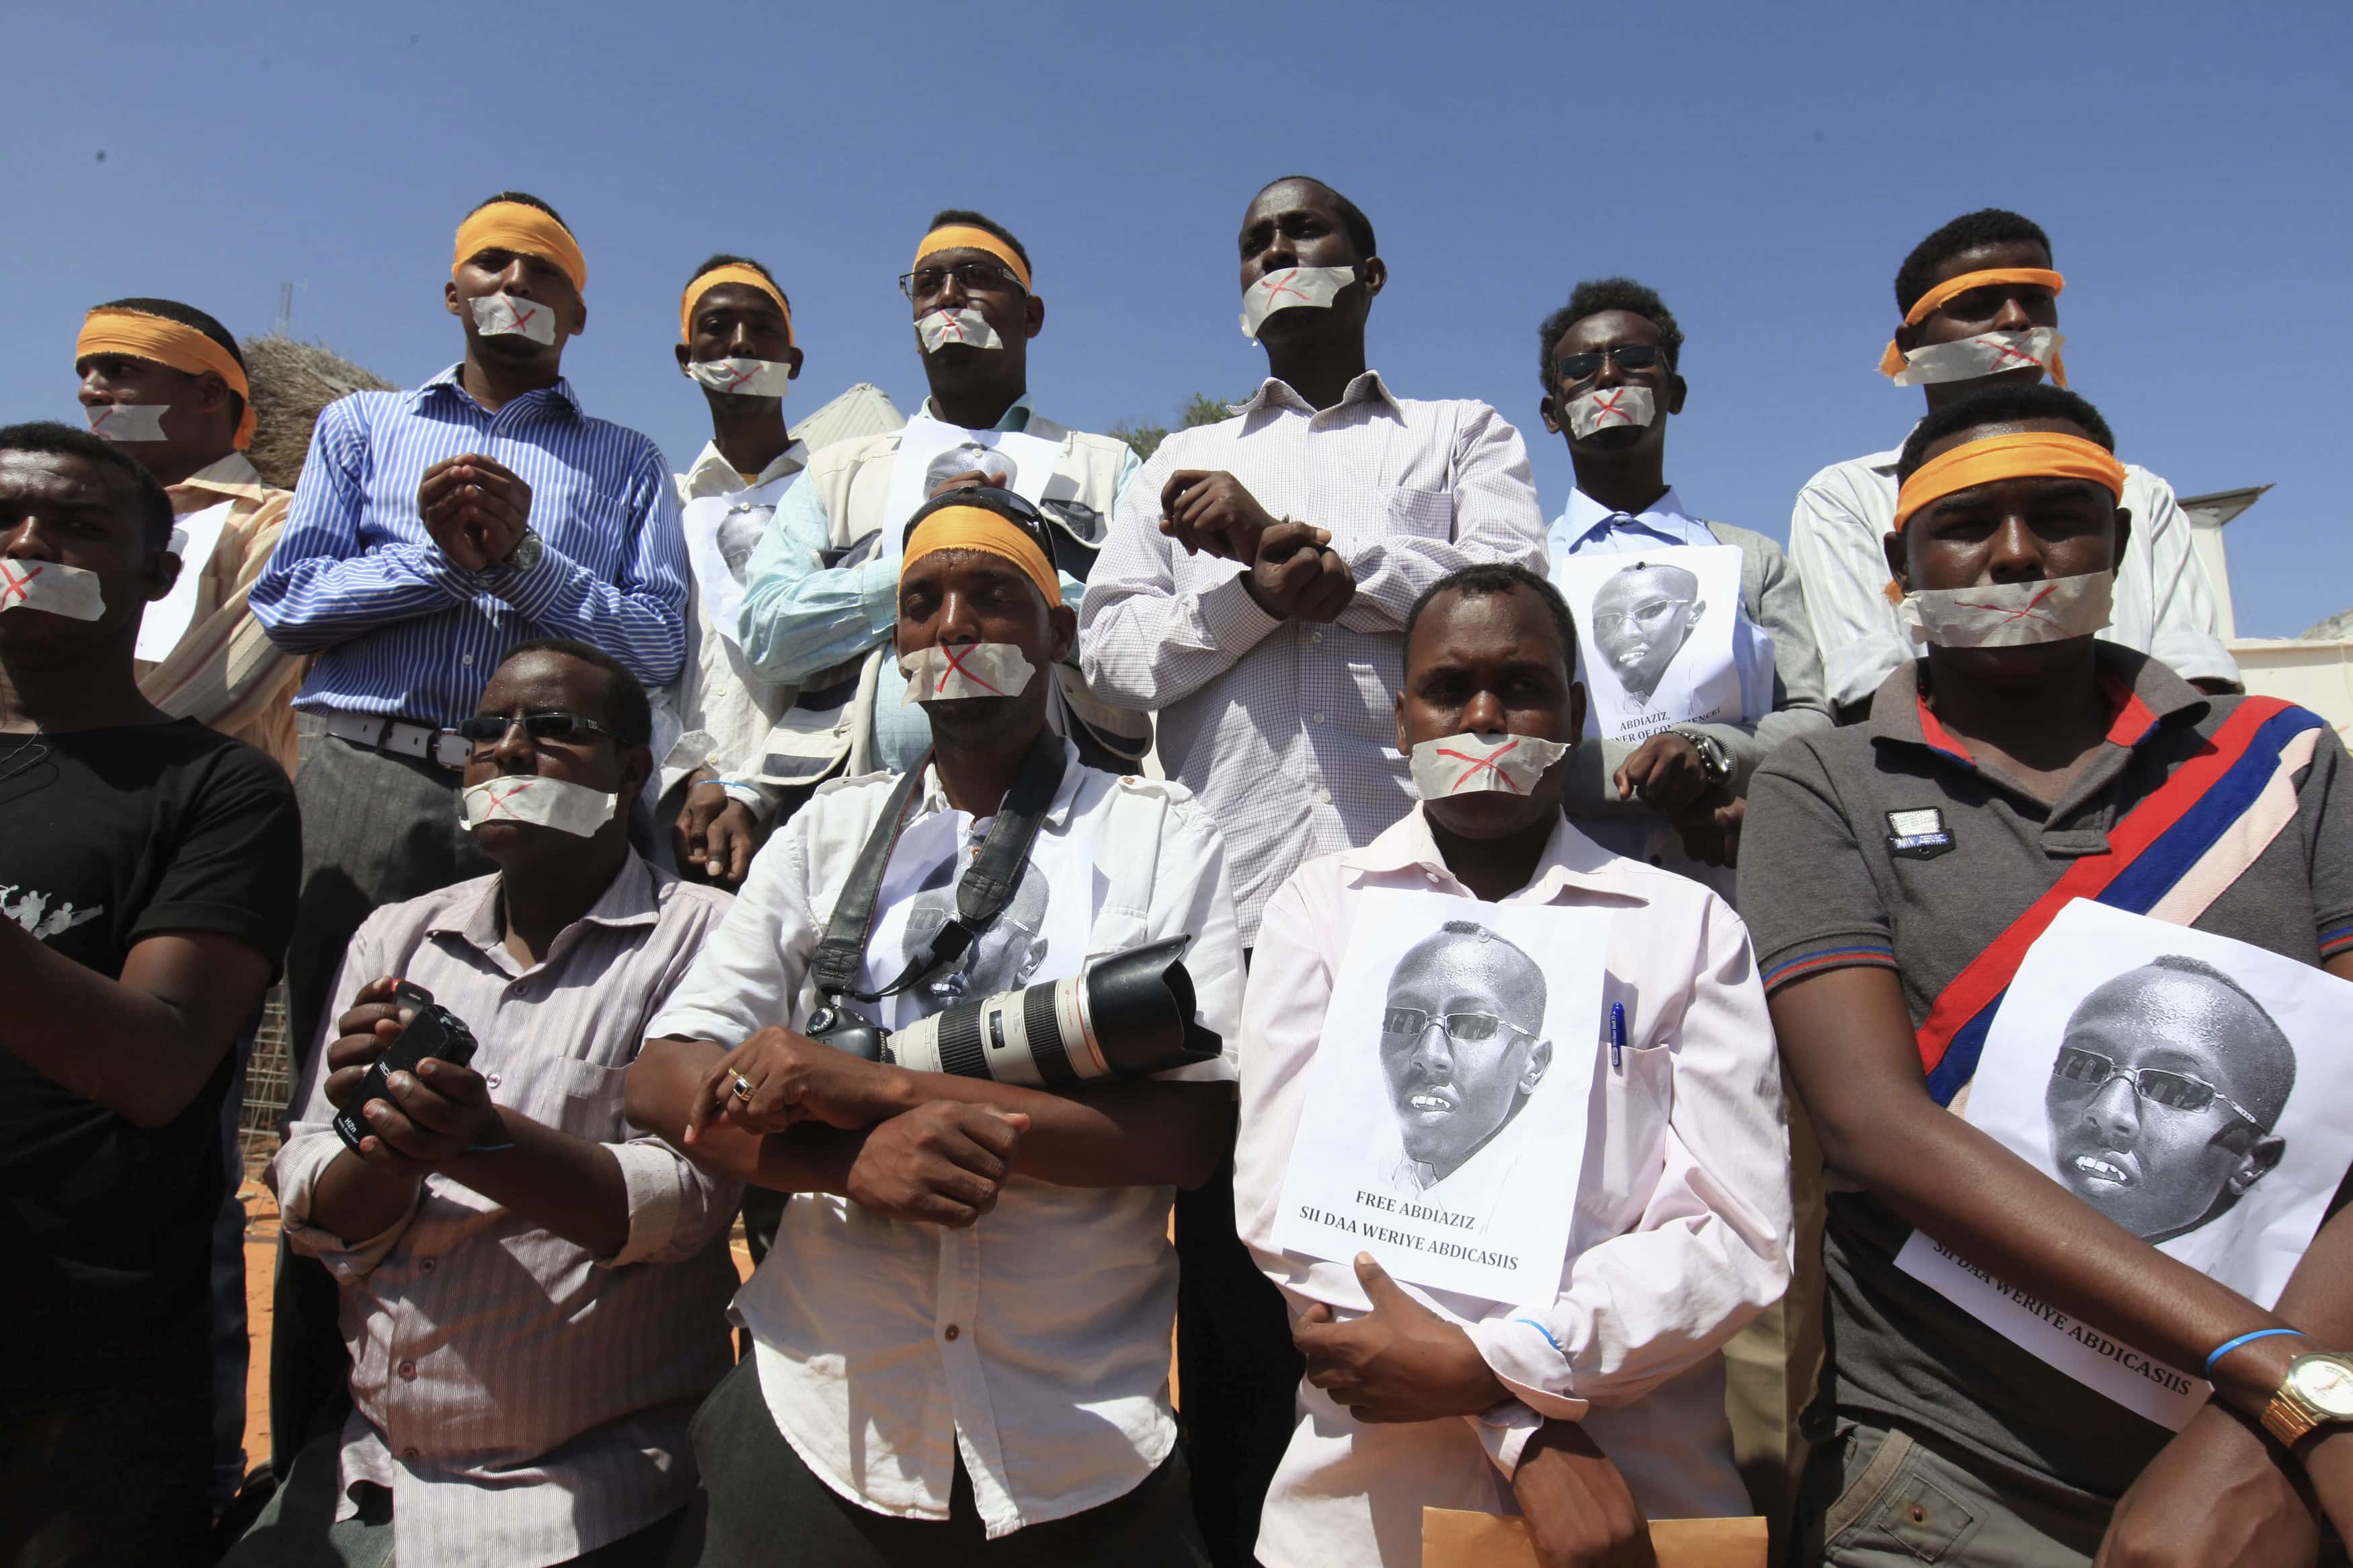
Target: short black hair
1998 405
525 198
627 712
1351 217
63 440
189 316
714 263
986 225
1485 580
1596 295
1971 231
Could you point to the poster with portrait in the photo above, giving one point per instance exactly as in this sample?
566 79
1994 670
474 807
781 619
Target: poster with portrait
931 452
1654 636
722 531
2188 1087
1446 1116
1041 936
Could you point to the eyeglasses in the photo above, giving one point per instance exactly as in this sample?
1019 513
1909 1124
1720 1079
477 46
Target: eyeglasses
977 277
1463 1028
1575 368
2174 1090
549 725
1650 612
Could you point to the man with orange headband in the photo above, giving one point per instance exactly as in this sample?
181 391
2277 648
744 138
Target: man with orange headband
950 1364
432 533
169 382
1979 306
1894 874
819 606
735 341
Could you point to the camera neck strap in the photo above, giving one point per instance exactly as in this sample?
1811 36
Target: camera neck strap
982 894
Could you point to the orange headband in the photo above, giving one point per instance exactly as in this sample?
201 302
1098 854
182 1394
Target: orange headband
138 335
978 528
704 282
526 231
2029 454
962 237
1892 362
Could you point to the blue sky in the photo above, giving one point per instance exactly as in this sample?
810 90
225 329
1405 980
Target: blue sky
1765 167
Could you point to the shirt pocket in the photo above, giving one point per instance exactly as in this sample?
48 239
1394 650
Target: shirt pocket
577 1098
1637 1096
1423 514
589 529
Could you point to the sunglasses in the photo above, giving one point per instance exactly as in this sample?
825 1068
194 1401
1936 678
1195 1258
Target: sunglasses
2174 1090
551 724
1464 1028
1649 610
1575 368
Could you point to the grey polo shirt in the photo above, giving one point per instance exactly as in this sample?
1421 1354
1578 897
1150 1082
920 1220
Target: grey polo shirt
1832 875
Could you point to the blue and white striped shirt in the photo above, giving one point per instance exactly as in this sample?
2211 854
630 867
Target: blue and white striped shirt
402 632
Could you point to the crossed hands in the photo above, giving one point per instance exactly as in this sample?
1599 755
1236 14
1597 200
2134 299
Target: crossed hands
443 1109
476 509
1292 572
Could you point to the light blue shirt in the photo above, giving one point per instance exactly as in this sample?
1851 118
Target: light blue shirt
801 616
1589 528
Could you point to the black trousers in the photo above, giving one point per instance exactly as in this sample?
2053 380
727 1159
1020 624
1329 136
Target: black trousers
100 1478
762 1506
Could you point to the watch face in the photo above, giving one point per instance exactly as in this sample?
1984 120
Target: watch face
526 551
2326 1382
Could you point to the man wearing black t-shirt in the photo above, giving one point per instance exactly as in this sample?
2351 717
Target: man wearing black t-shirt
148 873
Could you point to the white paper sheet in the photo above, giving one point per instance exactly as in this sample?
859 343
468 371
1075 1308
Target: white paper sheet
500 315
128 421
722 531
931 451
50 585
1454 1163
1655 637
2129 988
194 535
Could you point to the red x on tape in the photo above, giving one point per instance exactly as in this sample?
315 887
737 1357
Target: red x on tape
14 592
957 666
1480 764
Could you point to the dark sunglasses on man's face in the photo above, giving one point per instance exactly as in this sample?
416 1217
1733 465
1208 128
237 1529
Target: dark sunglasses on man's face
549 725
2174 1090
1575 368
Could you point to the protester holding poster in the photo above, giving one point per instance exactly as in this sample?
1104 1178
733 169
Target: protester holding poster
821 594
1697 656
1898 873
1510 1138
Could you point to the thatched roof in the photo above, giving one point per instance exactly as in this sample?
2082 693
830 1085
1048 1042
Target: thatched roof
291 382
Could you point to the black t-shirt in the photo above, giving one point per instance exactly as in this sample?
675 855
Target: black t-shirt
108 837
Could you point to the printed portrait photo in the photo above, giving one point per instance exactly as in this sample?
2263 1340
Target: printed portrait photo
1641 619
1002 958
1654 636
1462 1048
738 535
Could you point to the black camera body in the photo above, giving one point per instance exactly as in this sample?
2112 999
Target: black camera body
432 1032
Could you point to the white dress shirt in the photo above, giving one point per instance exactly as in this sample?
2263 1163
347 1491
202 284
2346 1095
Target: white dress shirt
1680 1232
524 1400
1034 1345
2163 606
1283 729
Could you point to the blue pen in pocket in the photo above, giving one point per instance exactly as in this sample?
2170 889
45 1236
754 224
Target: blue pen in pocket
1617 1036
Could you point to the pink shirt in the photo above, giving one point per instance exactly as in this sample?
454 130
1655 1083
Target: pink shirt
1681 1224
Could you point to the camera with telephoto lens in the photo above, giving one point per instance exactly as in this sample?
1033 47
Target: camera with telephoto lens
1129 1014
433 1031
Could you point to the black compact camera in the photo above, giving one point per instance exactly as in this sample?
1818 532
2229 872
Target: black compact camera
433 1031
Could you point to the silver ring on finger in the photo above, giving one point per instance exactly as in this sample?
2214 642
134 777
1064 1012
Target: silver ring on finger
742 1089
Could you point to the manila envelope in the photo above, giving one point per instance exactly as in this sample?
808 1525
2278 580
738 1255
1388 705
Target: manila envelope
1451 1539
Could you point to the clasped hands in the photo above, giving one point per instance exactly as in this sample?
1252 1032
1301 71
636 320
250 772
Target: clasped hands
1401 1361
476 509
1292 572
438 1112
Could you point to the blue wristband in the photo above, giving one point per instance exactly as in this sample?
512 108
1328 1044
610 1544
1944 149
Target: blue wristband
2226 1346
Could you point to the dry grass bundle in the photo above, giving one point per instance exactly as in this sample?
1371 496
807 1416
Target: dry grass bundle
292 381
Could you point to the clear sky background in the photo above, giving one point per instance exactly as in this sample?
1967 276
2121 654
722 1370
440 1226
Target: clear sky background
1765 167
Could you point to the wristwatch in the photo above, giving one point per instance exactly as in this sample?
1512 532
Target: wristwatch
1710 754
2318 1389
527 550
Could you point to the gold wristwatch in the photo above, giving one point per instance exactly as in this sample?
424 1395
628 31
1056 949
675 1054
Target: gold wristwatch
2318 1389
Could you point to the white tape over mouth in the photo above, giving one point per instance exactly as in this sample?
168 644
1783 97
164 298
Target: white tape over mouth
1315 286
1610 408
944 674
1468 764
745 377
2010 614
559 803
503 315
128 421
1988 353
943 328
50 585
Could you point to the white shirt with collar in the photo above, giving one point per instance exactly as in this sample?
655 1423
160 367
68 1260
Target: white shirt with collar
2164 604
1682 1226
719 713
1035 1344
